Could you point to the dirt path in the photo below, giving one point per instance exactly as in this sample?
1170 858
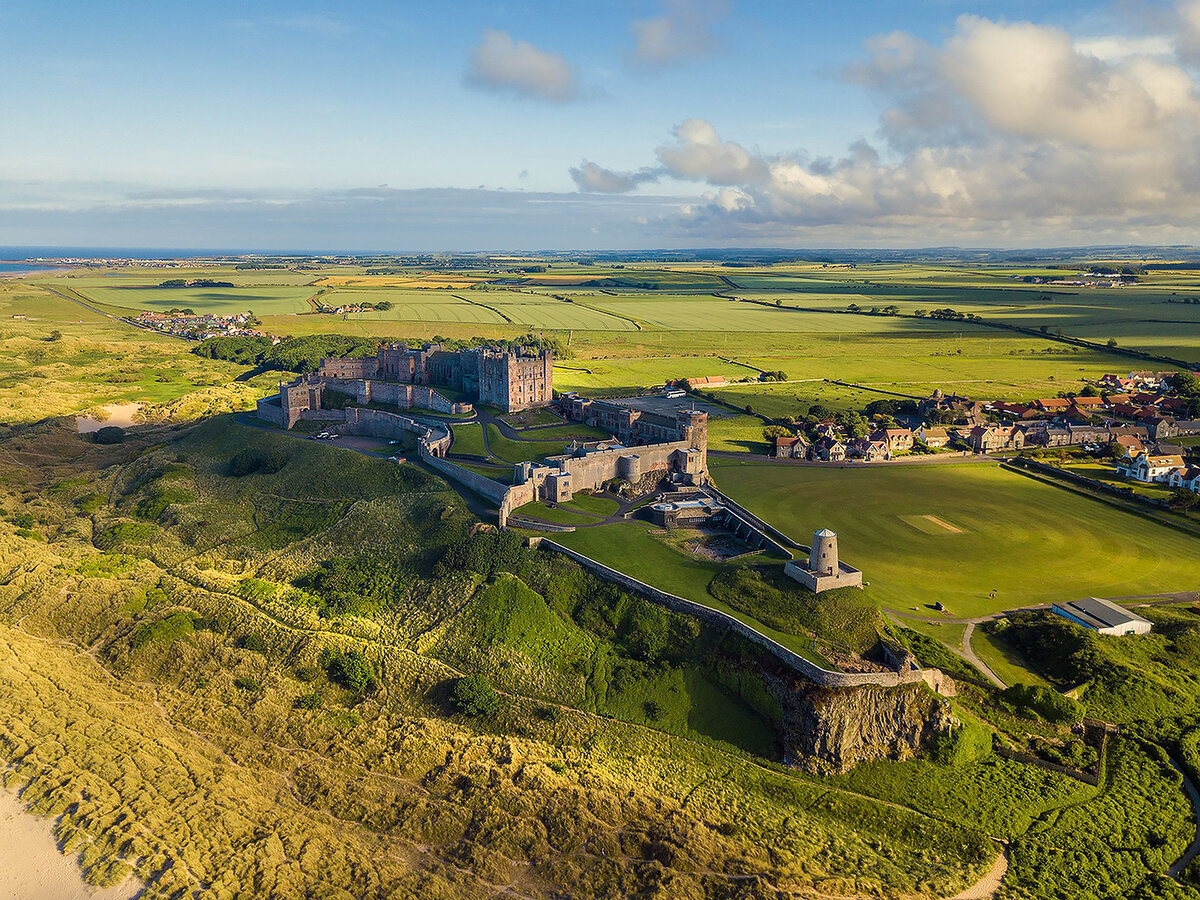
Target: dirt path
1194 848
987 886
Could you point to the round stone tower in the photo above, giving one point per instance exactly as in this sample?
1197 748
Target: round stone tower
823 560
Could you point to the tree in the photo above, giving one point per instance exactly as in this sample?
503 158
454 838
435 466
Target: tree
774 431
55 335
1187 384
853 424
383 305
1111 343
474 696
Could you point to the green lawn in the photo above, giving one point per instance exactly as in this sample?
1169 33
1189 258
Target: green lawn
557 514
1029 542
468 440
593 503
1002 659
520 451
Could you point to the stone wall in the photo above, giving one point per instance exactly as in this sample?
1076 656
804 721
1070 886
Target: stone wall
492 490
270 410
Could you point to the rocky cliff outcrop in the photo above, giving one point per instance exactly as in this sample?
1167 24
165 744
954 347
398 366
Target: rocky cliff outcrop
834 729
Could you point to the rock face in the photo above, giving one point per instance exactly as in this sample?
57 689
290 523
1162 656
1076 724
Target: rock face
834 729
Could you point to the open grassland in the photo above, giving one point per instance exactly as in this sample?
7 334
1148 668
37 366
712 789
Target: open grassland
95 360
1028 542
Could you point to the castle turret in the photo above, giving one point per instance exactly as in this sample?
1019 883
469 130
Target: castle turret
823 560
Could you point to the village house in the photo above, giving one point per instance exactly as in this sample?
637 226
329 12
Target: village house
1130 444
792 447
829 450
1187 479
869 450
1149 468
898 440
994 438
934 437
827 431
1049 435
1052 405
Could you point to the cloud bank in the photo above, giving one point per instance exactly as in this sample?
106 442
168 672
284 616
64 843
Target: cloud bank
500 63
1010 129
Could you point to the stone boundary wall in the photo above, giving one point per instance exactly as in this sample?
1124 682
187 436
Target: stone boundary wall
378 423
1030 759
791 659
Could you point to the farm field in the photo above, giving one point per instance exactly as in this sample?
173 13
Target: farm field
262 300
1028 542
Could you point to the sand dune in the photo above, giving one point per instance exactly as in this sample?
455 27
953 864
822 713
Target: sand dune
31 866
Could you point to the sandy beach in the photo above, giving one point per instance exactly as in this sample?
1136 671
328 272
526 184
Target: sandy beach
31 868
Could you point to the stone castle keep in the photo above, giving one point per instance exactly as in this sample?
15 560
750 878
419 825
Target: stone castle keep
510 380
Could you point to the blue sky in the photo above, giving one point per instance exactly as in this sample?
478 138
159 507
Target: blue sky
400 125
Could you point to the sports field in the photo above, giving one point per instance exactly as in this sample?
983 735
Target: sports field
958 533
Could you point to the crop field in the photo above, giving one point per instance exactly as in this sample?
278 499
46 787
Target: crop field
262 300
1027 542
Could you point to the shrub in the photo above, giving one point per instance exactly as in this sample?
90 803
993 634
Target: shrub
962 745
253 642
175 626
352 671
309 701
1035 700
474 696
245 683
109 434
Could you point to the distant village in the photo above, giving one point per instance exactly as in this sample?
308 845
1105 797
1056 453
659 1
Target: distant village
187 324
1133 418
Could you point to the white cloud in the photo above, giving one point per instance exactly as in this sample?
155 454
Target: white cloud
501 63
684 31
701 155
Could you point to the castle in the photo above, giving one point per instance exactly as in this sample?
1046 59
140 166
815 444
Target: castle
677 449
510 380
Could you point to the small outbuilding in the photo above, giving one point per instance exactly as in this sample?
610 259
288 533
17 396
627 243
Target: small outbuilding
1102 616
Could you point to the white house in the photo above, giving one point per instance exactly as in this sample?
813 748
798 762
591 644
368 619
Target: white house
1186 479
1149 468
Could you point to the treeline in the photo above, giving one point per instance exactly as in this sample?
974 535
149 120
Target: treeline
195 282
304 354
293 354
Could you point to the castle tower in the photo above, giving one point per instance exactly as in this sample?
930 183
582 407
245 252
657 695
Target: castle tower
824 557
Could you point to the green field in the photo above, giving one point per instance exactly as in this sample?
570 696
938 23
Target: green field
1029 542
266 300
